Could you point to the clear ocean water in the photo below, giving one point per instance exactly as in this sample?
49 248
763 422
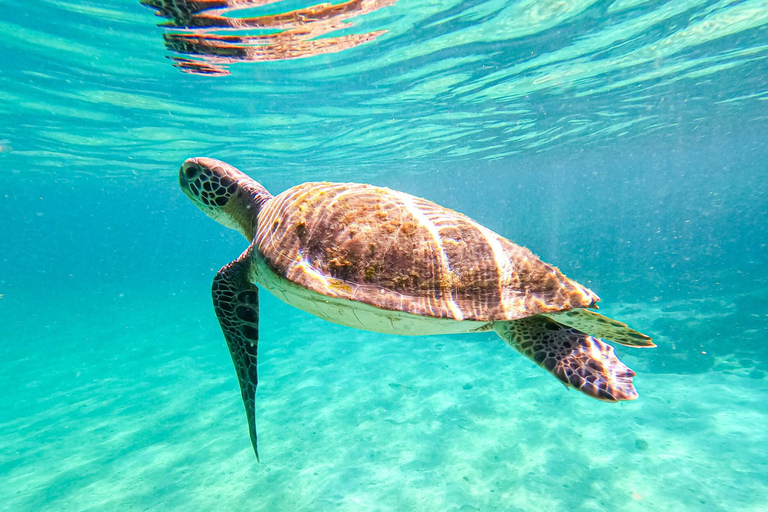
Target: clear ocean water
624 141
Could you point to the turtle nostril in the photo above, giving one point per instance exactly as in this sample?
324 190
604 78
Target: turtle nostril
191 171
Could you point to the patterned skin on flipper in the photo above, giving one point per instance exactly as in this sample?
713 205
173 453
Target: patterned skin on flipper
398 252
236 302
576 359
602 327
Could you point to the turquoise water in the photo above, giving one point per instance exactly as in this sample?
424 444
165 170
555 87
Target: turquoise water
623 141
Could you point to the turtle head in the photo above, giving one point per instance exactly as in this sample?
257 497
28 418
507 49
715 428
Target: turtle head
228 196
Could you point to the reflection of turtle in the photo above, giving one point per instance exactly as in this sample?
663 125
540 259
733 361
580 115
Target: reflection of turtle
385 261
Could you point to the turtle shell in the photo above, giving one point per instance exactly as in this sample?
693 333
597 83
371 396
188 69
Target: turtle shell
399 252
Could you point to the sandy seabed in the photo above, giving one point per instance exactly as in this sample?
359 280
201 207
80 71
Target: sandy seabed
136 407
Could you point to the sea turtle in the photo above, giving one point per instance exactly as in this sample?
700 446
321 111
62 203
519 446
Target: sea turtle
381 260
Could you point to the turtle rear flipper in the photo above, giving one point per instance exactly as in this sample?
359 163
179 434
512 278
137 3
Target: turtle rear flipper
236 301
603 327
578 360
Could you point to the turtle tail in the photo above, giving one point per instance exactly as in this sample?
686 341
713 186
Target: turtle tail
576 359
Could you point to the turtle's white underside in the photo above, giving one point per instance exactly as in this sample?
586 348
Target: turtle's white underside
356 314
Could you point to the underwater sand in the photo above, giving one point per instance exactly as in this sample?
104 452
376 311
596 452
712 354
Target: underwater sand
135 406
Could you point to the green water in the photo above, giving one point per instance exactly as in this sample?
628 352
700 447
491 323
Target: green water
623 141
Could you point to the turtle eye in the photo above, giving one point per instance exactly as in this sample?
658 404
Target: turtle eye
191 172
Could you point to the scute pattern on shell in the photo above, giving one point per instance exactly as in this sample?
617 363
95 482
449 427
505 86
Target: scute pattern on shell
399 252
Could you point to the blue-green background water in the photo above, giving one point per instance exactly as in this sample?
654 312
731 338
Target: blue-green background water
623 141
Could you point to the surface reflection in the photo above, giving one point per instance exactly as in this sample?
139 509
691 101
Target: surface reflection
295 34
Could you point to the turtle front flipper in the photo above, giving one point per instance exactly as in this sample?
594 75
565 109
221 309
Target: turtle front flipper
576 359
236 301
